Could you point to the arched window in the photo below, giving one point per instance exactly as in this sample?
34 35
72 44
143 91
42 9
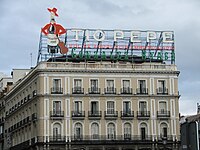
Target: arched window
56 130
95 131
143 131
163 130
78 131
111 131
127 131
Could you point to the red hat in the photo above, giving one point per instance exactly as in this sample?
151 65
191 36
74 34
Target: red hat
54 10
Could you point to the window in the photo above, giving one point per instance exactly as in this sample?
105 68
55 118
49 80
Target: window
142 87
161 86
110 86
164 132
127 131
143 131
77 84
126 86
126 107
78 131
56 130
163 128
57 107
111 131
94 85
94 108
110 107
78 106
95 131
77 89
142 106
56 84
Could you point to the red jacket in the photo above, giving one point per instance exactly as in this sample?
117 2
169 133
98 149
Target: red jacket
58 29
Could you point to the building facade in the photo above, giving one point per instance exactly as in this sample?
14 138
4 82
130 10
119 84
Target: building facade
6 84
190 131
94 105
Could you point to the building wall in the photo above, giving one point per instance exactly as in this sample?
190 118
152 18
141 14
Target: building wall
37 86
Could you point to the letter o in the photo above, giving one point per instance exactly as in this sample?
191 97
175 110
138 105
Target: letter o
97 38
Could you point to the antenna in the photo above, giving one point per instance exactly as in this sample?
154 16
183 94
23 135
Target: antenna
31 58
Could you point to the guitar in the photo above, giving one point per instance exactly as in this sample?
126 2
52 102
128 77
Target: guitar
63 48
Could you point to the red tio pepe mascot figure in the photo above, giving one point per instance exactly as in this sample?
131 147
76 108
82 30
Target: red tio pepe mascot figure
53 30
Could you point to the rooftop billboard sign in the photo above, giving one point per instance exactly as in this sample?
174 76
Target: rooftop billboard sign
100 44
85 43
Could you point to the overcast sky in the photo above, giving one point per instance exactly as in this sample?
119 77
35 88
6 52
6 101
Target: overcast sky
21 21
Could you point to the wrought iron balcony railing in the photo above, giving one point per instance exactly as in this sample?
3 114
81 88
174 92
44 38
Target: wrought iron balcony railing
57 114
127 114
142 91
166 137
94 114
78 114
126 90
162 91
111 114
57 138
110 90
34 116
94 90
113 137
163 114
56 90
77 90
143 114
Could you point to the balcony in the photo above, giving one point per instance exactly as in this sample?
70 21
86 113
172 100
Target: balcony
18 124
162 91
79 115
34 116
163 114
56 114
25 121
57 138
94 90
167 138
97 139
111 139
25 99
142 91
110 90
111 115
77 90
94 115
56 90
143 114
127 115
21 123
29 97
77 137
34 93
127 136
126 90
